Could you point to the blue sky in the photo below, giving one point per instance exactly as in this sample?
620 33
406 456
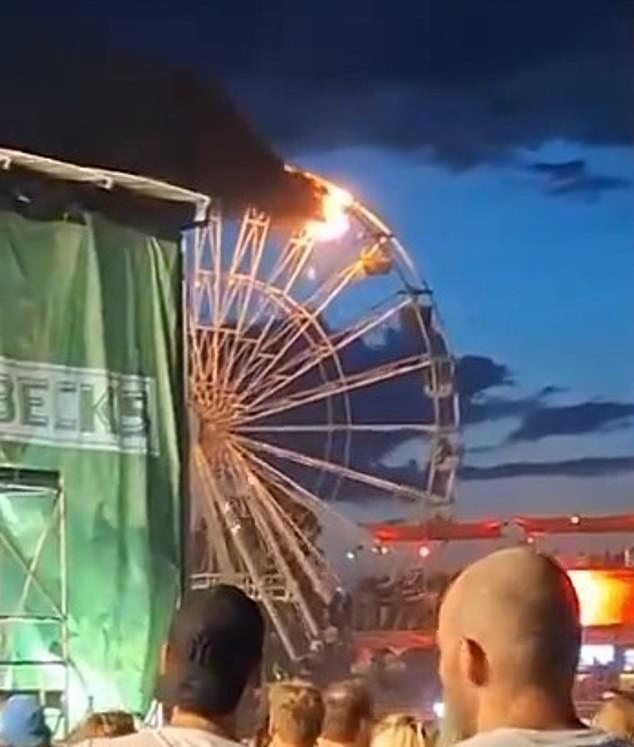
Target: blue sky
540 283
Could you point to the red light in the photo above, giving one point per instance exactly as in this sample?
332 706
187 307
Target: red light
424 551
574 520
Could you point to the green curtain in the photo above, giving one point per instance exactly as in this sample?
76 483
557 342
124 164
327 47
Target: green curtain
91 386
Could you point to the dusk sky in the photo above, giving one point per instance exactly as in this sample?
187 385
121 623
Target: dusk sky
497 138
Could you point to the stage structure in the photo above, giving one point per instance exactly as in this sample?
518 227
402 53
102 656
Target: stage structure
91 429
317 359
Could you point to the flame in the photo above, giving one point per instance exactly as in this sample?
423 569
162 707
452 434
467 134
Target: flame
335 222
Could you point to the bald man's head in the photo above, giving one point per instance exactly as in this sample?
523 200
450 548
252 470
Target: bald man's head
508 624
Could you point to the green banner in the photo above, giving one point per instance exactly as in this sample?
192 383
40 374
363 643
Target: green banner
91 386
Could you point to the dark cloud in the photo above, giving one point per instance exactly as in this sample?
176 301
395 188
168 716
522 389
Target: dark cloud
588 467
537 416
475 374
488 408
130 114
572 420
410 474
562 171
462 82
574 178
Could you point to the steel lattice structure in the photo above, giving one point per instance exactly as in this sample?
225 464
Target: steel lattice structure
306 353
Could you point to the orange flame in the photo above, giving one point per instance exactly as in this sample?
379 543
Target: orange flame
335 222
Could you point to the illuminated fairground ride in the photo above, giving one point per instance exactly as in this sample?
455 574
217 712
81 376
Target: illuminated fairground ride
315 355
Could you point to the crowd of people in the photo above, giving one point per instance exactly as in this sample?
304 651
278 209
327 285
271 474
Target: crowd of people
509 637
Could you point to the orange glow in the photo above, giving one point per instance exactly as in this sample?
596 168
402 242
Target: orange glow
335 222
606 597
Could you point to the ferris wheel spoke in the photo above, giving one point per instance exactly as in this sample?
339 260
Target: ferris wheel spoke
339 387
295 256
294 493
210 513
299 495
248 250
318 302
210 290
300 365
264 497
355 475
201 387
292 262
196 287
305 548
252 568
215 517
323 582
271 298
250 245
217 289
294 490
291 332
257 251
295 253
342 428
195 360
226 287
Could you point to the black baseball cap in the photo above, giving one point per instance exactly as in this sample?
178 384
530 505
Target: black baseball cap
214 647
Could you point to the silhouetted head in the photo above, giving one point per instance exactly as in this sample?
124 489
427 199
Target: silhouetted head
22 723
398 730
214 649
349 714
296 714
107 724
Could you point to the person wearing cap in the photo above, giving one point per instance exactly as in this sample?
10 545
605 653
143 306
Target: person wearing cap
213 652
22 723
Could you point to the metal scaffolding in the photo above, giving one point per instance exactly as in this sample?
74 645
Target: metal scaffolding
34 650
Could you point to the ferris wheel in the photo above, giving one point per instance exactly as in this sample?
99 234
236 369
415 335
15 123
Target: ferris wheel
318 372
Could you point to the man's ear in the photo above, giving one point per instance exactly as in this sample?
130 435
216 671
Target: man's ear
475 663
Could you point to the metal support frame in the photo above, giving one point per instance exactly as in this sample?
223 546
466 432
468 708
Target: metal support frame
16 484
